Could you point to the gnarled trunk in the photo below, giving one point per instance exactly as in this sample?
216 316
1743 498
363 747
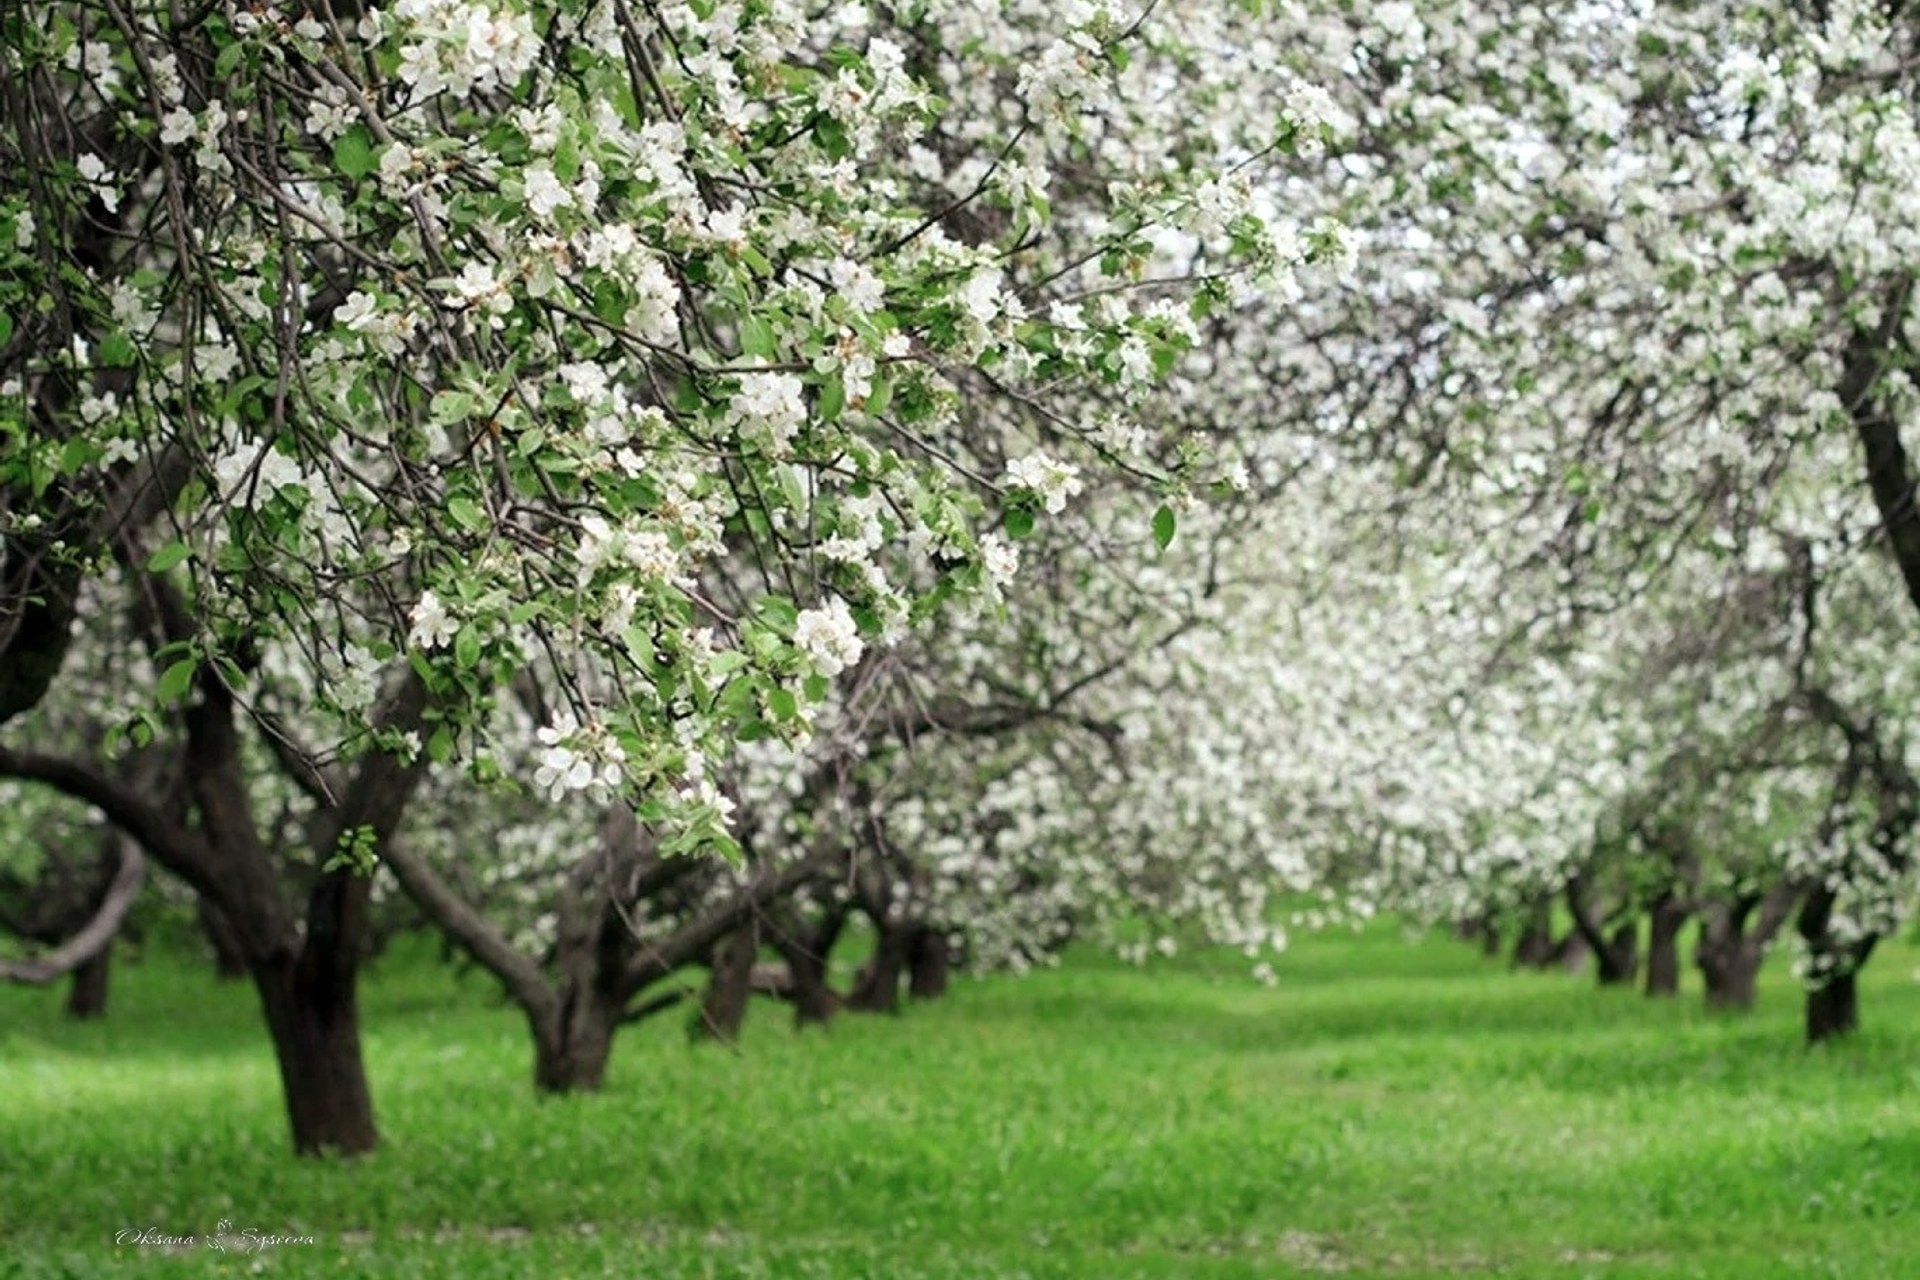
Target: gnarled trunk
929 964
1833 1009
87 988
1572 952
314 1017
1619 960
806 947
724 1007
877 990
1667 919
572 1042
1734 941
814 999
1731 967
1534 948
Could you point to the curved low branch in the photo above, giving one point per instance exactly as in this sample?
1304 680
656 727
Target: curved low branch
174 845
469 929
697 936
94 937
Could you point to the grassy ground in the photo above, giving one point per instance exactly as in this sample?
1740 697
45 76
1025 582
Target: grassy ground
1388 1110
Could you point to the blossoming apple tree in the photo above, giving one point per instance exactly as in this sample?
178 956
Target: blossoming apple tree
370 356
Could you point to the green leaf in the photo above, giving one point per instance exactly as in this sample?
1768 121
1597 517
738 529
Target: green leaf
76 454
466 512
833 398
228 60
1163 526
793 487
781 614
6 327
466 647
1018 522
782 703
756 337
353 152
167 557
832 136
176 680
449 407
118 352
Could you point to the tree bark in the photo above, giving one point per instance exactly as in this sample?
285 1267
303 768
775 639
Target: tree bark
929 964
1730 967
1833 1010
723 1010
1833 1007
1620 958
313 1015
87 990
1869 357
572 1043
1730 952
877 990
1533 949
1572 952
1666 920
229 962
806 947
814 999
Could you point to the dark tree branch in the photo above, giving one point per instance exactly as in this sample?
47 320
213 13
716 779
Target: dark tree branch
181 850
97 934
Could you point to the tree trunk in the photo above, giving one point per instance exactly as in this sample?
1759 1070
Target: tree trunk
1620 958
806 948
1668 918
1731 969
1833 1010
572 1043
724 1008
313 1015
1572 952
878 988
929 964
87 989
228 960
814 999
1533 949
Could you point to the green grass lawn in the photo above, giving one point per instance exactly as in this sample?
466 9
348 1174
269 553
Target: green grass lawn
1387 1110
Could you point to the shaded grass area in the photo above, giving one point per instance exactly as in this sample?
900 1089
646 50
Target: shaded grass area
1389 1109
